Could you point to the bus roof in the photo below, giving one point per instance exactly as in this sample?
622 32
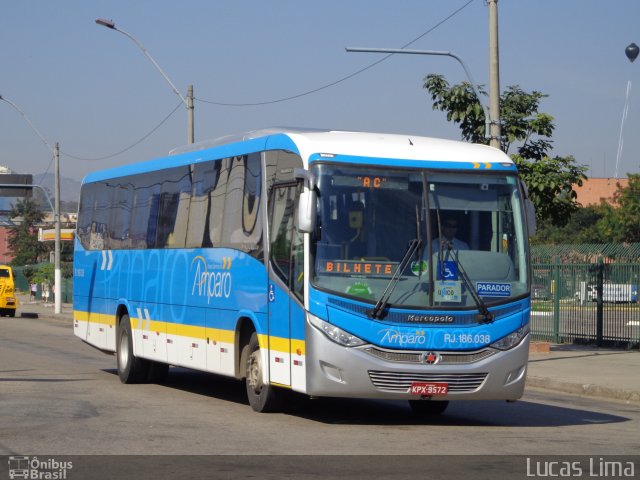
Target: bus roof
311 144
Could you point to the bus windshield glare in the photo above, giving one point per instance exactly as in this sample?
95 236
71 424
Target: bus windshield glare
472 243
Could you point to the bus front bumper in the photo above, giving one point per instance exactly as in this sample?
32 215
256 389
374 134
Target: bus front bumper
337 371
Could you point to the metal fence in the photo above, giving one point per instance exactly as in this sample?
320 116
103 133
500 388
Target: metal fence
22 285
586 294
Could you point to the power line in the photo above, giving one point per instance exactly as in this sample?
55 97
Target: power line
130 146
292 97
343 79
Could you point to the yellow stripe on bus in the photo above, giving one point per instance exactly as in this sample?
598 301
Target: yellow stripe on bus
280 344
100 318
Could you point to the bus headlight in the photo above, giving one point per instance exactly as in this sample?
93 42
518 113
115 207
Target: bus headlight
334 333
511 340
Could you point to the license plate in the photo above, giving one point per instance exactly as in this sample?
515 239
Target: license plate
429 389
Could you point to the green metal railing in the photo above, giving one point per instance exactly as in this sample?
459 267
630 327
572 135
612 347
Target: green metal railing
586 294
22 285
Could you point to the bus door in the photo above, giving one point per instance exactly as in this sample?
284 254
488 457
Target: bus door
286 282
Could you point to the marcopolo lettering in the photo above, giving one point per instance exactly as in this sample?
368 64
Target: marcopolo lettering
414 318
491 289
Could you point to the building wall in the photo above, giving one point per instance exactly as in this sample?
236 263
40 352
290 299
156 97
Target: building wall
5 256
595 190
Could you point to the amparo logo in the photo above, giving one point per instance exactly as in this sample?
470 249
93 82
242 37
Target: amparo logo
211 283
396 337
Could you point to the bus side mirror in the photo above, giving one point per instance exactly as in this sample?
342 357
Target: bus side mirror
306 221
529 211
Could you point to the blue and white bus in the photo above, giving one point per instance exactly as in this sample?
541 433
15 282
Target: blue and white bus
314 261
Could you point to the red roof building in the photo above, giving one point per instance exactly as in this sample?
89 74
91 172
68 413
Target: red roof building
594 190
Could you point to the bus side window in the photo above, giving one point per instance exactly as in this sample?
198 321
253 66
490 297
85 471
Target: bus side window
241 225
282 206
287 253
204 183
85 214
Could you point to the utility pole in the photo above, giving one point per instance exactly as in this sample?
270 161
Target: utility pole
188 101
57 286
494 74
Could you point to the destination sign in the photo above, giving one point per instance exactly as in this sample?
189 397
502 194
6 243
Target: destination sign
371 182
357 267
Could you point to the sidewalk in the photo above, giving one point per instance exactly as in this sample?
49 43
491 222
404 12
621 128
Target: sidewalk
588 371
39 309
577 370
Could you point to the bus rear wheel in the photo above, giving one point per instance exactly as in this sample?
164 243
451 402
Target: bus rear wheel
428 407
131 369
263 397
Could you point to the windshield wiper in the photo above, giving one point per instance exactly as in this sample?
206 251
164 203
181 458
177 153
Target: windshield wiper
485 314
380 310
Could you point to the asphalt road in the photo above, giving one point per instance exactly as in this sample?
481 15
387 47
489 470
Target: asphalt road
62 397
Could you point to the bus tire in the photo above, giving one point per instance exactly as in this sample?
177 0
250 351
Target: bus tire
131 369
428 407
262 397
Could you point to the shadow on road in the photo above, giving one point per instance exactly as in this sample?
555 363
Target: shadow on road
489 413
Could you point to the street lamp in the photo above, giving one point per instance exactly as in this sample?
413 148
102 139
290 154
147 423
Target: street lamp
488 120
188 101
57 279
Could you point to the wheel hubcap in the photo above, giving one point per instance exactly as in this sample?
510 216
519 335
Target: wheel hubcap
254 372
124 351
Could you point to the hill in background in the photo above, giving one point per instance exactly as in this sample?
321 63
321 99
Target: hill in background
69 188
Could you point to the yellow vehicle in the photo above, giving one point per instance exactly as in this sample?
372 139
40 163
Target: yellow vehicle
8 299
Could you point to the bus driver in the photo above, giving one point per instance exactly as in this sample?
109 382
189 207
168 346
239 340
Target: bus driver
448 236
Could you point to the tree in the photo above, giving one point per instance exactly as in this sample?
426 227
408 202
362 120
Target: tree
549 179
585 226
618 221
605 223
23 237
628 211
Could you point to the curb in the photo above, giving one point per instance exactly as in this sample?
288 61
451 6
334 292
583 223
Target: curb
539 347
586 390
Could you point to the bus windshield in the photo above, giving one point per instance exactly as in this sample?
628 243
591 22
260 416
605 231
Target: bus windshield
469 226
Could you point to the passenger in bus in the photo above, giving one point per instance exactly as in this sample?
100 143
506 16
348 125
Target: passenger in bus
448 236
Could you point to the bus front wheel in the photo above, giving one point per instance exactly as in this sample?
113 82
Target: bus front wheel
131 369
263 397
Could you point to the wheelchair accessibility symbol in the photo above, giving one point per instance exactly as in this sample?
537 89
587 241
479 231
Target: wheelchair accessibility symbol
272 293
447 270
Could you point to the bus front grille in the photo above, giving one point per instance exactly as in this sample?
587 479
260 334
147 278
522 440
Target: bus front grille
446 358
401 381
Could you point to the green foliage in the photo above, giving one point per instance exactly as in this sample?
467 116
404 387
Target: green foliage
23 237
460 104
45 273
599 224
550 182
549 179
582 228
628 211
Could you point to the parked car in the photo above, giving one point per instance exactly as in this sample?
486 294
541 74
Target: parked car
8 299
539 292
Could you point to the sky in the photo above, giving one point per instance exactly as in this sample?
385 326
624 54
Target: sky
92 90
